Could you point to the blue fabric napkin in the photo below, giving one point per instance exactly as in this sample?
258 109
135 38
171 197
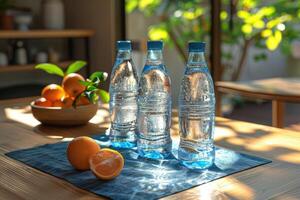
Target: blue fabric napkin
140 178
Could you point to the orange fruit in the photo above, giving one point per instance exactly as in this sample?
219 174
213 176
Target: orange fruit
82 101
71 84
107 164
57 103
80 150
43 102
53 92
67 102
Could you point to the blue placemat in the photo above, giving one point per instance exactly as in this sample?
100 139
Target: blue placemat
140 178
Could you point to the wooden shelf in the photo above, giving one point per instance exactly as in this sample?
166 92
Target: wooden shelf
39 34
29 67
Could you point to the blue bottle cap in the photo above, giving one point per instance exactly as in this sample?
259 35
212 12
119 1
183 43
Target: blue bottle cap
124 45
196 46
154 45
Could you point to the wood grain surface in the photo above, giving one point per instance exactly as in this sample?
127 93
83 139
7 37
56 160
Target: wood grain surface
278 180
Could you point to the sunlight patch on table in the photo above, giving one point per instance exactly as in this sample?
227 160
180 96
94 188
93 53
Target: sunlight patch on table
207 192
221 133
102 116
236 189
67 139
21 115
55 137
290 157
273 140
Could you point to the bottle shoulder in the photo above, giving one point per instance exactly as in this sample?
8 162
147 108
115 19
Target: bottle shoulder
196 79
155 73
127 64
124 77
197 86
154 79
159 67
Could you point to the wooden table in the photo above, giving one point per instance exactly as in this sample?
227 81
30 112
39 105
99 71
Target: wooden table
278 180
278 90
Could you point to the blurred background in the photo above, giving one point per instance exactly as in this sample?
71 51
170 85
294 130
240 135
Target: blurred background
259 39
56 31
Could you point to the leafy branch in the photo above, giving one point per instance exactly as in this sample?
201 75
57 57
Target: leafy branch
92 85
93 91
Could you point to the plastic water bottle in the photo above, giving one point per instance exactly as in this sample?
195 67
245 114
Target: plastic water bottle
123 92
196 111
154 113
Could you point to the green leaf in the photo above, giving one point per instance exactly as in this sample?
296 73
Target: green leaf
85 83
75 66
50 68
247 29
192 14
267 11
104 96
273 41
94 97
143 4
223 15
131 5
88 94
102 76
278 36
249 3
243 14
266 33
259 24
158 33
91 88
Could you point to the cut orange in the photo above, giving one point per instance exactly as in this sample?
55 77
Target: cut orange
107 164
80 150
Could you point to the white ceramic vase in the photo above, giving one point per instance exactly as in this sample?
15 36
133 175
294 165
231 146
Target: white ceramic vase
54 14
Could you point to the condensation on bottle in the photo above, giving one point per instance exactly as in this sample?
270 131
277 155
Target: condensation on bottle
154 101
123 92
196 111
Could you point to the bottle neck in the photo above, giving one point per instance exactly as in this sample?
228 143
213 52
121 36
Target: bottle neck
154 57
124 55
196 58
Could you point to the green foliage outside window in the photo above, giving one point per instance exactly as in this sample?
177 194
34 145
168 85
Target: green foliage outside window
267 25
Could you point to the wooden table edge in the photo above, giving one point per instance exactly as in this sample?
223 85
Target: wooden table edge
256 94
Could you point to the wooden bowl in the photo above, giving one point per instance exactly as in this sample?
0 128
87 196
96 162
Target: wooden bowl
64 116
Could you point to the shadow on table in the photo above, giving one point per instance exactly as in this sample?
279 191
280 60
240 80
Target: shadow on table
264 141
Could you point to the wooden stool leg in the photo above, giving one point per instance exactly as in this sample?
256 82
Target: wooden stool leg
218 103
277 113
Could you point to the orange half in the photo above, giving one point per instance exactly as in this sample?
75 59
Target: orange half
106 164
